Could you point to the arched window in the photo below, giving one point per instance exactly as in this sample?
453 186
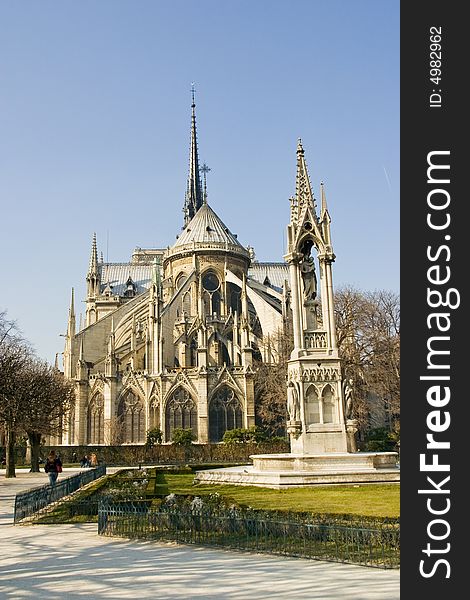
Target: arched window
154 413
180 411
225 412
312 405
186 304
181 280
329 411
95 419
234 298
211 293
224 356
218 353
132 417
193 353
216 304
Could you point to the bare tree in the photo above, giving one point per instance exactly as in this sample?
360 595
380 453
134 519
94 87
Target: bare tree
350 306
48 397
270 387
114 431
368 326
14 356
34 396
368 329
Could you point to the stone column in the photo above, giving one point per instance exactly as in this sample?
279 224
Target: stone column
331 313
109 394
296 309
352 428
202 409
81 424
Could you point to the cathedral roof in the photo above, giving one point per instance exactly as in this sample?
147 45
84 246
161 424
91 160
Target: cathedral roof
207 230
116 274
276 272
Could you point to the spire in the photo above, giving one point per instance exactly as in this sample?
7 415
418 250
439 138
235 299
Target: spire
93 268
93 276
323 199
303 190
72 307
324 214
71 323
194 198
81 369
325 218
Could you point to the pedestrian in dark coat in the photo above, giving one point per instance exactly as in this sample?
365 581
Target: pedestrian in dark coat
53 467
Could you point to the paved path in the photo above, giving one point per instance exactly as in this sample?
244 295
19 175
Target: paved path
67 562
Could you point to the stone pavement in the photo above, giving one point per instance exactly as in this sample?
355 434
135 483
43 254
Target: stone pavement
67 562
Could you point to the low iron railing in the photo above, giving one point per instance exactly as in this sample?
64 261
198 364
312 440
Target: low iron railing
32 501
377 546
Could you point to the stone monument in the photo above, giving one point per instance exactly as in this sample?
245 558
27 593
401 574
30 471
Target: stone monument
319 401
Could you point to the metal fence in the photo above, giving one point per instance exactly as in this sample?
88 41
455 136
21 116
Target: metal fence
31 501
375 547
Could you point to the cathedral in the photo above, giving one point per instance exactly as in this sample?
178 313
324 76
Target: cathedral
169 337
172 337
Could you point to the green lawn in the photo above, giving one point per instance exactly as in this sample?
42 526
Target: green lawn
356 500
366 500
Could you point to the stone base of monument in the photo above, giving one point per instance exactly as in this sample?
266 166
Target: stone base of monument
301 470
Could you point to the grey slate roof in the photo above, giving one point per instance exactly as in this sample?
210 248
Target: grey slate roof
116 275
206 227
277 273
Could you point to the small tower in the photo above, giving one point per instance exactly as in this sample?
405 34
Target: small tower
314 389
93 280
69 350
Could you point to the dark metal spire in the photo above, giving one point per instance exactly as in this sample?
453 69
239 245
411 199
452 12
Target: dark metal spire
194 196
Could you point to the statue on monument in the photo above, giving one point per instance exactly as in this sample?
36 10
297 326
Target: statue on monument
293 406
307 269
348 398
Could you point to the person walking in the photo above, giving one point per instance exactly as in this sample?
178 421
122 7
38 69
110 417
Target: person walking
53 467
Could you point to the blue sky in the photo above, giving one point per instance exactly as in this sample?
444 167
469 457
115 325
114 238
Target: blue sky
95 117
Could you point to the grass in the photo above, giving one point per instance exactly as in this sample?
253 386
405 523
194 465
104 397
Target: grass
376 501
362 500
65 512
355 534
